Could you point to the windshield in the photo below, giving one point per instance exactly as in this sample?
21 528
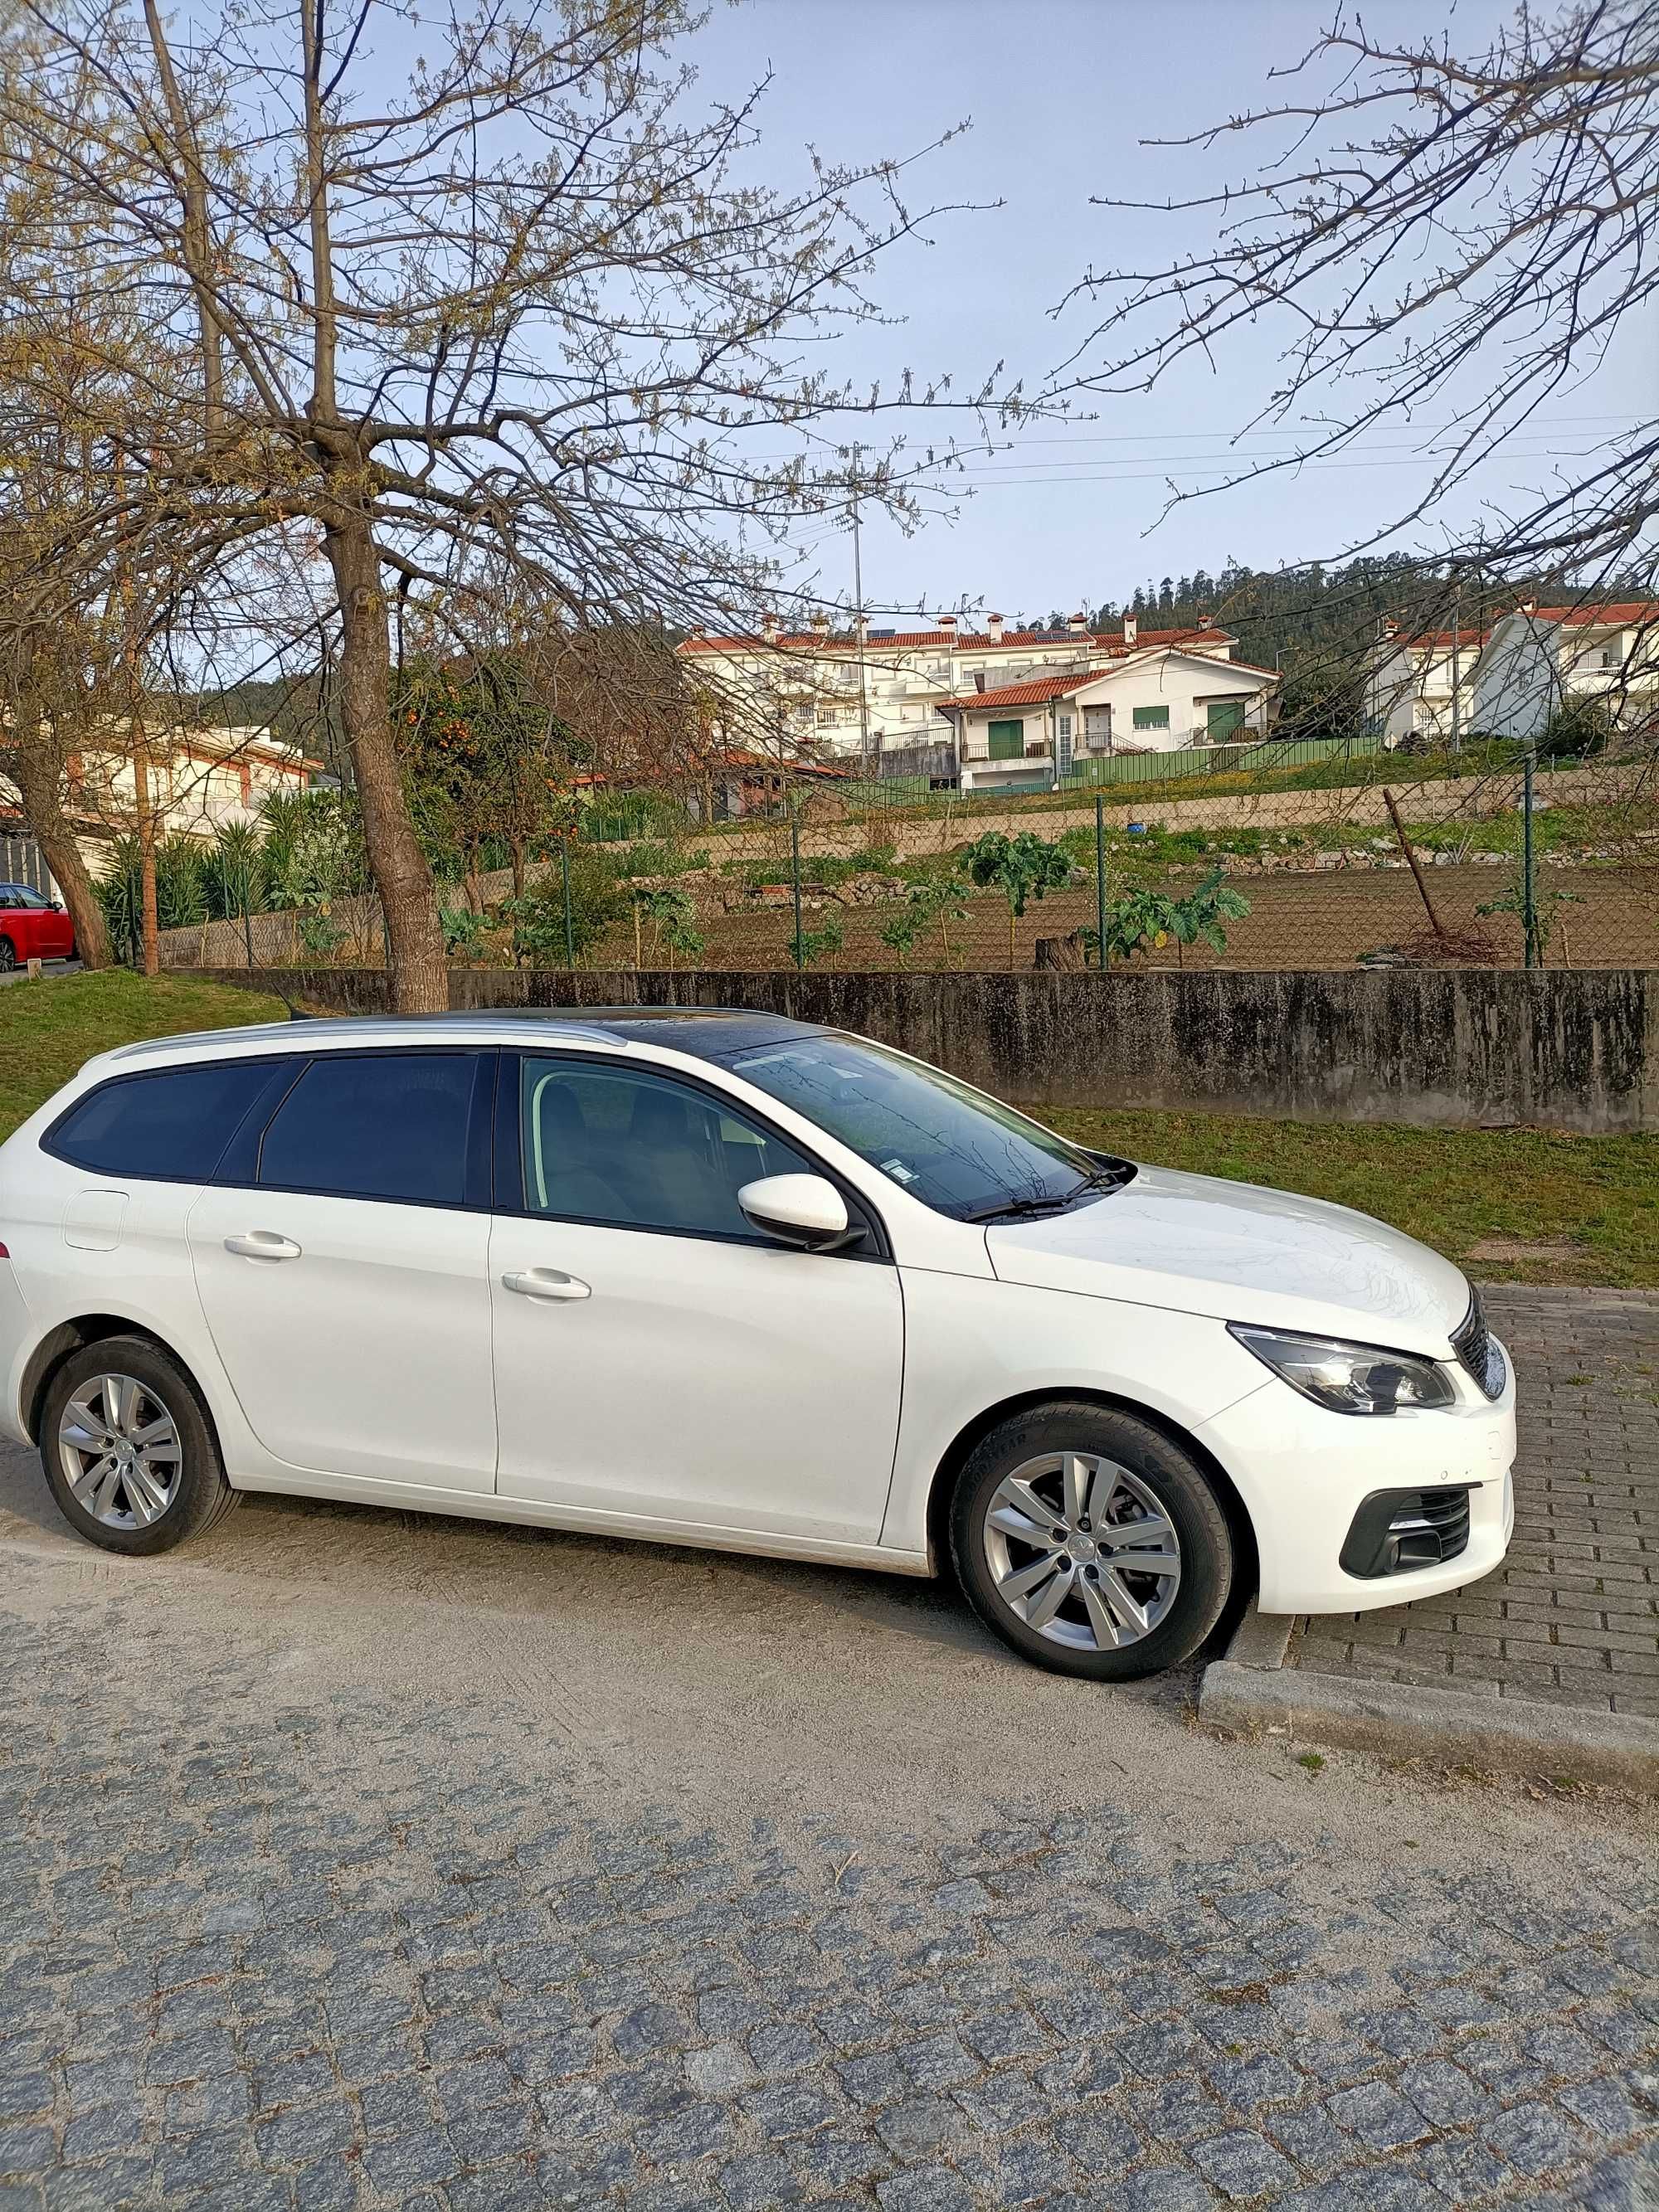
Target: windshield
946 1143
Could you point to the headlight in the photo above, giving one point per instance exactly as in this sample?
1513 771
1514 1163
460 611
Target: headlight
1347 1378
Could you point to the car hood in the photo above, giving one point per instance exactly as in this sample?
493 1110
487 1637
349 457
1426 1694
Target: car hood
1202 1245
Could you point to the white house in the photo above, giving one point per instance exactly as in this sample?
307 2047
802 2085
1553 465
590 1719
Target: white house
1537 659
1133 698
200 779
1410 688
873 693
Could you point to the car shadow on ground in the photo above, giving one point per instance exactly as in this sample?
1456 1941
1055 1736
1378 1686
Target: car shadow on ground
384 1554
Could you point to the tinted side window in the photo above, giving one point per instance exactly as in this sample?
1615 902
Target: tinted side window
640 1151
174 1124
392 1126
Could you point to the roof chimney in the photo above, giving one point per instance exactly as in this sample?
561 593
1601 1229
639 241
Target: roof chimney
1390 628
993 629
1078 625
948 624
770 629
820 624
1207 621
1131 629
860 627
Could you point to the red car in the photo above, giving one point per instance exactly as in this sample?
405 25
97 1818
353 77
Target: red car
33 927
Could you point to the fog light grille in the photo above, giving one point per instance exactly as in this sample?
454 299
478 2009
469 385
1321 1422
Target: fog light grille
1395 1531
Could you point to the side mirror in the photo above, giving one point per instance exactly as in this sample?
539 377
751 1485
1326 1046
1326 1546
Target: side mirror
803 1210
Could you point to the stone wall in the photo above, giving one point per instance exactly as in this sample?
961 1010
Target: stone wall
1459 1048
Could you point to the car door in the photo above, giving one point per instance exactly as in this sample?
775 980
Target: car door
343 1270
42 930
655 1355
56 937
18 926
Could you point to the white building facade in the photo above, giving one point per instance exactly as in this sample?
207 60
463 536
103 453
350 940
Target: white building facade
1539 660
199 780
876 697
1156 699
1423 688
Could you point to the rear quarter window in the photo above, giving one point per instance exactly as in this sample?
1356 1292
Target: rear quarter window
172 1125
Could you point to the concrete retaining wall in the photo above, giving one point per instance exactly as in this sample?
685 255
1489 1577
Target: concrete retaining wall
1464 1047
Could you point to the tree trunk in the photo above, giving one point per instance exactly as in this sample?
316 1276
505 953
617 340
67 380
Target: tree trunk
420 979
38 777
518 868
149 923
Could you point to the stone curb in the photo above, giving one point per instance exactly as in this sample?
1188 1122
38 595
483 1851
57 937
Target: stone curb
1261 1639
1619 1751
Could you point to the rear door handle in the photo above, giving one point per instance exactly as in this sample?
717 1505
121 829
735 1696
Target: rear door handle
263 1244
546 1282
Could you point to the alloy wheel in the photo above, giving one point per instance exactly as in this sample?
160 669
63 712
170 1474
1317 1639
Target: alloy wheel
1081 1551
119 1449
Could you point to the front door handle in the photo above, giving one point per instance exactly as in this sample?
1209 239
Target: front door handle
546 1282
263 1244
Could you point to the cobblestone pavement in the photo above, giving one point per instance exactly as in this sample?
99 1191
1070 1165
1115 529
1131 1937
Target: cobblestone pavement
1572 1616
365 1860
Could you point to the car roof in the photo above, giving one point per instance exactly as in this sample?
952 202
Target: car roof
703 1032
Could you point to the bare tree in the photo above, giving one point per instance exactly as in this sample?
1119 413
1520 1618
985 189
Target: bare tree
1464 235
523 312
46 687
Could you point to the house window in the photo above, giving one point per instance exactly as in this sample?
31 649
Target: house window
1065 726
1151 718
1008 740
1611 657
1224 719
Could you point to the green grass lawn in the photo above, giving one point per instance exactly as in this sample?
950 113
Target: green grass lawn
1519 1205
48 1027
1511 1205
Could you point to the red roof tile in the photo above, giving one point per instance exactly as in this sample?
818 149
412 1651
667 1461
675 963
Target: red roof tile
964 642
1037 693
1624 614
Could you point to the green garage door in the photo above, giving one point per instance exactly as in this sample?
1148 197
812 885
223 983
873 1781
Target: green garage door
1226 720
1008 740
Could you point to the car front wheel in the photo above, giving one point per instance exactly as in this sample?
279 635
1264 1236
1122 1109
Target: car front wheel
128 1449
1091 1542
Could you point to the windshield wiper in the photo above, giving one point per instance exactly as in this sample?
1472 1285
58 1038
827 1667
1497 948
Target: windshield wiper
1107 1178
1006 1208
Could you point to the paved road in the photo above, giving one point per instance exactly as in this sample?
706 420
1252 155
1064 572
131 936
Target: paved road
357 1859
1572 1618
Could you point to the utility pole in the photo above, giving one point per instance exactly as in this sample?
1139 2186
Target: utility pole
858 624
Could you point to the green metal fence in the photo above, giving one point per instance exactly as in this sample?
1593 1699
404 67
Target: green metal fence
1260 757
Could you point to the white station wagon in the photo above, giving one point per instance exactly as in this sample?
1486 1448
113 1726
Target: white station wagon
727 1279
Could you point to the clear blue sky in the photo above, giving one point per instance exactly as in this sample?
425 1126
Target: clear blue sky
1059 93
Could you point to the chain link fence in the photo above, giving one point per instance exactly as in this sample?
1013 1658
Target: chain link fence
1350 857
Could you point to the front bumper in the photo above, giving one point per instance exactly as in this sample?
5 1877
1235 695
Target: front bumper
1303 1475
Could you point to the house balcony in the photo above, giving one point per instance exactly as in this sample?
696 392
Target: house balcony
980 758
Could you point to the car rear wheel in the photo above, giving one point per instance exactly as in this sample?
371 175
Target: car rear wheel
1091 1542
128 1449
7 955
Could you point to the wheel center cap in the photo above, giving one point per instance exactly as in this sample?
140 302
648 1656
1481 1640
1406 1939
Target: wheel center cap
1082 1547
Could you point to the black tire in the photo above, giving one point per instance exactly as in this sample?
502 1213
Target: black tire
200 1494
8 955
1182 1609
